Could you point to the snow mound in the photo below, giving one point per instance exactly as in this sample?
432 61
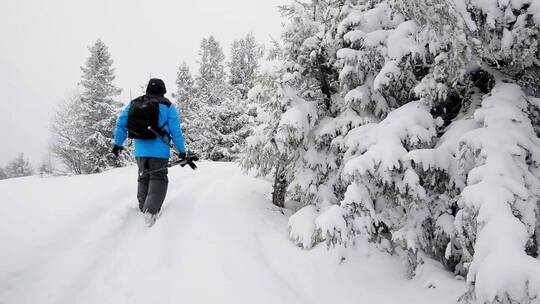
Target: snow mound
302 228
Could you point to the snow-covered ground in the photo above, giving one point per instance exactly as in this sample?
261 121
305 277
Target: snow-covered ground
81 240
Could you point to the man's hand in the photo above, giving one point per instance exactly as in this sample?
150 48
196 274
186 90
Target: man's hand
116 150
182 155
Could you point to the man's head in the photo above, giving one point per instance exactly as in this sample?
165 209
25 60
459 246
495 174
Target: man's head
156 87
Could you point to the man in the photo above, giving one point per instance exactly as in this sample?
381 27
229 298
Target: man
151 151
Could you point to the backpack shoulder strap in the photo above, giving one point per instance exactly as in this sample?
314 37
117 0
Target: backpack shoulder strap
166 102
161 100
166 123
139 99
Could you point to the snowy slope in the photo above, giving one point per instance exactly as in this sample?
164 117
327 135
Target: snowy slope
81 240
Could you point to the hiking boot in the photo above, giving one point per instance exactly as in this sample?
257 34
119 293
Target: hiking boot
149 219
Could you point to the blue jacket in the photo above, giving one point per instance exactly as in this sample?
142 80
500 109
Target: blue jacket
153 147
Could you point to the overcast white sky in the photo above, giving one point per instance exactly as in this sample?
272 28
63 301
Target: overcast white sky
44 43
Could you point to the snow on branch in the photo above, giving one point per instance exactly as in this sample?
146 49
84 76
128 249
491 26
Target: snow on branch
503 193
380 147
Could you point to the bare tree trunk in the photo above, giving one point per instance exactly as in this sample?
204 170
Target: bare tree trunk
280 186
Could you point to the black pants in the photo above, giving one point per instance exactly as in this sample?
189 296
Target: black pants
152 188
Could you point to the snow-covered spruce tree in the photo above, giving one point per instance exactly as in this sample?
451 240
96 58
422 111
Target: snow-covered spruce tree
46 166
289 96
501 37
186 99
504 34
229 128
438 155
383 198
419 57
98 110
220 122
505 37
444 76
414 82
498 220
283 121
434 221
3 174
211 89
67 144
377 76
211 81
19 167
489 154
443 84
311 41
245 56
185 88
83 126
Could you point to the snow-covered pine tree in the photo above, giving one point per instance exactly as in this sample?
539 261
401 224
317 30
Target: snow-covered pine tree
220 123
298 94
187 101
67 144
245 56
185 90
83 126
19 167
237 64
443 83
283 121
427 223
3 174
371 86
503 35
46 166
211 89
45 169
439 149
498 218
211 81
384 59
229 128
98 109
501 39
311 42
380 60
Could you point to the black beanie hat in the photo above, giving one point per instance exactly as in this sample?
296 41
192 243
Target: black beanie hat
156 87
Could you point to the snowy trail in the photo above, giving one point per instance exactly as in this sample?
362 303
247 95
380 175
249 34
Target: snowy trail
82 240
